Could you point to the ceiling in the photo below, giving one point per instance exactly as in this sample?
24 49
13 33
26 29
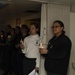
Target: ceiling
56 1
14 8
64 2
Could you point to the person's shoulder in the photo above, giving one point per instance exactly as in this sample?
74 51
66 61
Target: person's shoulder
38 36
26 38
52 38
66 39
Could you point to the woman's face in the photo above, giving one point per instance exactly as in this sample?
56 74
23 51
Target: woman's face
33 30
56 28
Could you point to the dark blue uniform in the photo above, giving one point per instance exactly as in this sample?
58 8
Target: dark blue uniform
57 58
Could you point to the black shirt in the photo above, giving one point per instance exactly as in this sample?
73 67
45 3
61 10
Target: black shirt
57 58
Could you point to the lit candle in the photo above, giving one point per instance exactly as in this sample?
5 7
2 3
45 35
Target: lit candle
41 45
1 36
9 36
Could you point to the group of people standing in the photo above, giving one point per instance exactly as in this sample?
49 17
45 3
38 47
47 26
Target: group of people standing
15 58
23 52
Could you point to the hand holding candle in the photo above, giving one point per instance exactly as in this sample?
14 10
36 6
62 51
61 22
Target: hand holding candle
42 50
41 46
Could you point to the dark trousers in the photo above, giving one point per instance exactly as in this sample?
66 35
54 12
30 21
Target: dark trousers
20 64
17 62
6 59
28 65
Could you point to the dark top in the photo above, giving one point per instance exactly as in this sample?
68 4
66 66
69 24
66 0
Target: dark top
2 40
57 58
17 38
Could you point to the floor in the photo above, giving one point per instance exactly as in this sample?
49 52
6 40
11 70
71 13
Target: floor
1 72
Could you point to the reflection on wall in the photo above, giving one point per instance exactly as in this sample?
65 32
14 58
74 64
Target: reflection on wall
24 20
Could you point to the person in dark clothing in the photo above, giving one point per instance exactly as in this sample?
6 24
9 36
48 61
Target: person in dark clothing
8 29
24 31
16 48
18 36
17 56
12 31
58 51
20 57
8 52
2 46
2 38
10 38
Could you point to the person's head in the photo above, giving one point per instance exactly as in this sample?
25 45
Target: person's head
33 28
24 30
58 27
17 30
12 31
9 28
1 32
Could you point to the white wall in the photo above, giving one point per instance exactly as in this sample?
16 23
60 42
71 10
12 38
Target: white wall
72 37
58 12
43 34
50 13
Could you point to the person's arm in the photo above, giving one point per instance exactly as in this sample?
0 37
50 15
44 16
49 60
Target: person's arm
58 51
38 60
37 63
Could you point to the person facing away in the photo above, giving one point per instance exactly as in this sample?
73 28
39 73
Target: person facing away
24 31
30 48
58 51
9 48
